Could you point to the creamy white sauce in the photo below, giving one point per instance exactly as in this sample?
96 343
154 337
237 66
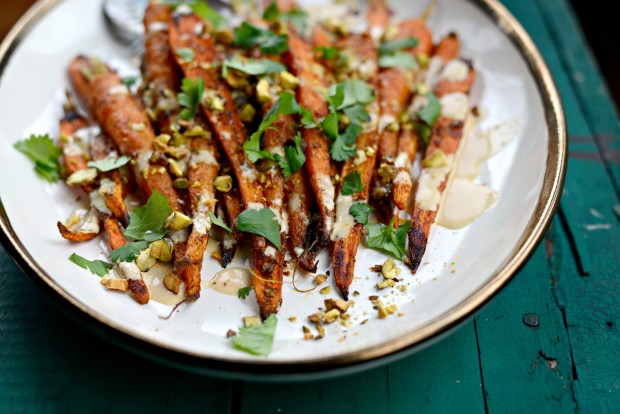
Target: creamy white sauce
428 195
270 251
455 71
385 121
228 281
202 157
435 64
454 106
402 160
129 270
98 202
402 177
464 202
255 206
154 279
179 236
106 186
87 134
248 173
143 160
119 89
327 195
226 135
344 220
157 27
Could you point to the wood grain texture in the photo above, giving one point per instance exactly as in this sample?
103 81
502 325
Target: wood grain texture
50 364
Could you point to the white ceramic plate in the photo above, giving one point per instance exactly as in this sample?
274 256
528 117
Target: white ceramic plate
466 267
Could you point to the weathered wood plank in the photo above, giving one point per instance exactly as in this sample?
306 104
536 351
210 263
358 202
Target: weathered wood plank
442 378
596 101
524 348
50 364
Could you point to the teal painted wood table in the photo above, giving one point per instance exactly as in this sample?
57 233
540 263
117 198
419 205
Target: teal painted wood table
549 342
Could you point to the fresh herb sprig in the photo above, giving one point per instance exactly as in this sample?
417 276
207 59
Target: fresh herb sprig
42 150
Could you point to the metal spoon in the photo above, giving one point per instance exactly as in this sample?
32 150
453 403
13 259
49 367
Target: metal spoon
124 18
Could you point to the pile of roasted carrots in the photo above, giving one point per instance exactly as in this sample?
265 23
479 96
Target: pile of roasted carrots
283 121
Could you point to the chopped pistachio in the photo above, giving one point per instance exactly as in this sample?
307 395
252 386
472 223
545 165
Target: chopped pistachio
223 183
145 261
382 312
390 32
307 333
160 170
82 177
389 270
247 112
320 279
172 282
262 91
326 290
115 284
344 120
356 294
160 146
393 127
339 304
175 167
321 331
423 89
216 103
371 150
345 316
292 319
386 171
423 60
391 309
346 323
180 183
196 131
163 138
435 160
235 80
288 80
252 320
162 250
177 221
402 288
316 317
331 315
178 152
385 283
231 333
224 36
360 157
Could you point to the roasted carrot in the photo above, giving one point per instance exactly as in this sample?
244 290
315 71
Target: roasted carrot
74 156
124 121
160 77
347 233
116 238
310 92
408 140
445 138
229 130
394 93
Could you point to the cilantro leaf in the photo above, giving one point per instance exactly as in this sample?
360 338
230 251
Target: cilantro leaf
128 252
387 238
262 222
394 46
129 81
96 267
147 222
328 52
330 125
186 54
295 155
360 212
247 36
190 97
352 183
357 113
398 60
335 96
297 17
256 339
244 292
41 150
343 147
219 222
286 105
353 91
209 14
430 112
307 119
109 163
253 67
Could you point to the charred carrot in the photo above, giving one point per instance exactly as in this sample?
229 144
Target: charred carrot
160 77
442 147
227 126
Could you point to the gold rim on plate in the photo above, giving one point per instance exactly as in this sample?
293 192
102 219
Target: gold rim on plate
546 205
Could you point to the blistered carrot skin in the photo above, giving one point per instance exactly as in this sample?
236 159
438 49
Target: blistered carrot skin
227 126
160 77
101 148
445 137
123 119
394 93
74 236
345 245
300 61
203 169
